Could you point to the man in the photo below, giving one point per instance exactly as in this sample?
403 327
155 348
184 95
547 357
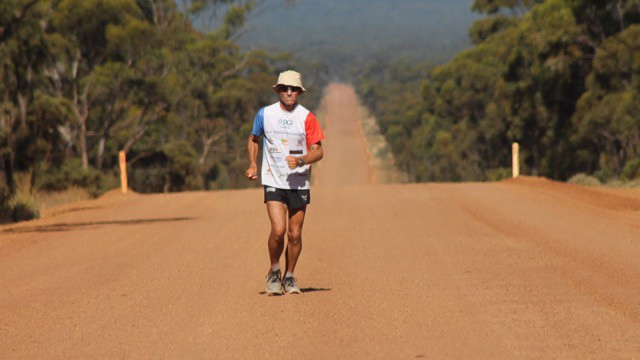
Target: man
291 143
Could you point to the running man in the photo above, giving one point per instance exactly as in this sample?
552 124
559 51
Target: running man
291 143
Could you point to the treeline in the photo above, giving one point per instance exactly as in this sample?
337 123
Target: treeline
344 34
81 80
560 77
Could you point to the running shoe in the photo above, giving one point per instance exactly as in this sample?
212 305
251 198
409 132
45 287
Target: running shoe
274 286
290 286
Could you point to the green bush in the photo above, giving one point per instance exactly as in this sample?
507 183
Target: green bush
24 206
171 169
182 165
69 173
631 169
498 174
148 179
24 212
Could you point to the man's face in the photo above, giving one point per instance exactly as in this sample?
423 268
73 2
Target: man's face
288 94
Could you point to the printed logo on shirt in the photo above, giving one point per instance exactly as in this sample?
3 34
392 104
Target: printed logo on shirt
284 141
300 142
285 123
273 149
276 132
295 152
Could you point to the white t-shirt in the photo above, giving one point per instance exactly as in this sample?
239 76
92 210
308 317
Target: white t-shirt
286 133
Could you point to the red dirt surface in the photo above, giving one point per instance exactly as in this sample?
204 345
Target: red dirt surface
524 268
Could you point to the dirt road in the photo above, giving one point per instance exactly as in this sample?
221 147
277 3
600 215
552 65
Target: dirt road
524 268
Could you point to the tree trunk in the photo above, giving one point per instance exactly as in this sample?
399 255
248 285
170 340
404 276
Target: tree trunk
8 160
23 101
83 114
620 14
208 142
81 109
83 144
100 156
8 157
132 140
167 183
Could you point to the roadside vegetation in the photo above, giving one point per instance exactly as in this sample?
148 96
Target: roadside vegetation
560 77
81 80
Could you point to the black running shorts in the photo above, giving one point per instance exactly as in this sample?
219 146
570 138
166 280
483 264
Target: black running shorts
294 199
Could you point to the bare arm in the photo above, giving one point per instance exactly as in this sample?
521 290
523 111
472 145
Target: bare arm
315 154
252 149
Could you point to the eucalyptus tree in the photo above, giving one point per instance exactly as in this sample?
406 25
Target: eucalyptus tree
225 87
192 94
500 15
81 33
607 119
82 79
461 130
547 76
22 49
463 133
558 76
130 90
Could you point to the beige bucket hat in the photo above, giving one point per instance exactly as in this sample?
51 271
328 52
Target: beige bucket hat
290 78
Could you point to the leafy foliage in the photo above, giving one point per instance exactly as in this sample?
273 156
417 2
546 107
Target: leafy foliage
558 76
81 80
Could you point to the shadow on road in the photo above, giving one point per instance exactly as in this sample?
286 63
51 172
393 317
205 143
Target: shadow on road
304 290
83 225
311 289
75 209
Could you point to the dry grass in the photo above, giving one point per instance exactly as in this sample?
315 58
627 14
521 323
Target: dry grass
49 200
382 157
42 200
25 204
29 202
588 180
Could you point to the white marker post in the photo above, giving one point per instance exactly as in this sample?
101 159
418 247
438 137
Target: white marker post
123 172
515 159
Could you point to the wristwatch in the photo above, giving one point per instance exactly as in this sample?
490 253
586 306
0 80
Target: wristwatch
301 163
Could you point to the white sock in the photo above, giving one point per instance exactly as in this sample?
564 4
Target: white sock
289 274
275 267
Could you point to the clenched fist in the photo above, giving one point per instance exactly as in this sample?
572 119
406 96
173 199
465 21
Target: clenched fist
293 162
251 173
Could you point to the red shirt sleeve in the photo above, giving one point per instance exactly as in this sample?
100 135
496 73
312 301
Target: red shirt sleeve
313 130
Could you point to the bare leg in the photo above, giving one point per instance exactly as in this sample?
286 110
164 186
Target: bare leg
294 237
277 215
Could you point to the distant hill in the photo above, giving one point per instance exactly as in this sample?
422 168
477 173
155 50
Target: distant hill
343 33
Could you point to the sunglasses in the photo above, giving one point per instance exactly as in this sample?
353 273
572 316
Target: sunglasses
285 88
